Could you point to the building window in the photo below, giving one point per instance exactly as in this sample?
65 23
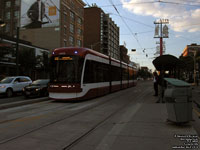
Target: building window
72 4
16 14
8 15
65 17
79 43
8 4
65 43
65 30
17 3
7 28
80 11
72 16
79 31
71 28
15 24
79 20
71 40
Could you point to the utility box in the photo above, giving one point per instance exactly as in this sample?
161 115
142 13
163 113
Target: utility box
178 98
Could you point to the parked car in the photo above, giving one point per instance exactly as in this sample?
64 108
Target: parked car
9 85
37 88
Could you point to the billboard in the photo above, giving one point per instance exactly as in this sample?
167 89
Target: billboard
39 13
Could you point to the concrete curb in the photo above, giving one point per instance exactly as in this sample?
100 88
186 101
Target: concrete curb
24 102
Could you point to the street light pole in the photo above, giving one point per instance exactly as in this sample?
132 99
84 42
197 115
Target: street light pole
17 52
161 32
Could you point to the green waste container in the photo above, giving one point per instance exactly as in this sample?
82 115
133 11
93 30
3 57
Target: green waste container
178 98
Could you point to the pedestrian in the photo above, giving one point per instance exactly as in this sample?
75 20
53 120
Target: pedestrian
161 88
155 83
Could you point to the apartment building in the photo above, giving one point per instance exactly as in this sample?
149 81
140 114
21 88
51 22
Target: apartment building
100 32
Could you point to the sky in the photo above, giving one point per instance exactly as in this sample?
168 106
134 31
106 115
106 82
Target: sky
136 18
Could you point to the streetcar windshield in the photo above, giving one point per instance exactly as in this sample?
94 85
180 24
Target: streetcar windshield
66 69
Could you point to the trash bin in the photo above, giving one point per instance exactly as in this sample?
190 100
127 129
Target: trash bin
178 98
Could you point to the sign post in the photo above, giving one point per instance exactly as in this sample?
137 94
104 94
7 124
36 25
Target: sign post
161 32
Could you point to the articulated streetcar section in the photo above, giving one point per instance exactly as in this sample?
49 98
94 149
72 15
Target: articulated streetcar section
81 73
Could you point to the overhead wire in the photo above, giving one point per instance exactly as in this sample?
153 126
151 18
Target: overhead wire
136 21
126 24
192 3
159 1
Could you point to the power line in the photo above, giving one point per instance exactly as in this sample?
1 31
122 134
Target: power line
87 2
159 1
137 33
175 3
128 4
133 20
126 24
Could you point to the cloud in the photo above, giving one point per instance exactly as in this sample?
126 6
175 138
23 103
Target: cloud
182 17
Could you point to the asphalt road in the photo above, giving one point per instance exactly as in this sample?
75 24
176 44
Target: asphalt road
120 120
15 98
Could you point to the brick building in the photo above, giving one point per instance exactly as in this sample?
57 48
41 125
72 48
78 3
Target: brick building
65 30
100 32
9 13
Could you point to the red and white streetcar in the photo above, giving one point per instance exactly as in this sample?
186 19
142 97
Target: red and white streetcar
81 73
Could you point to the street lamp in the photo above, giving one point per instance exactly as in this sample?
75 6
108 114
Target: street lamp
2 23
17 51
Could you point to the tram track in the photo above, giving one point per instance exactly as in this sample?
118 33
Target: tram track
18 118
83 136
100 103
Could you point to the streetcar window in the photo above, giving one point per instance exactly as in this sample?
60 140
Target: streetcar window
96 72
66 69
115 73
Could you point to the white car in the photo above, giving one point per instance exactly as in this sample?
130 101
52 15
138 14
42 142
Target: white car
9 85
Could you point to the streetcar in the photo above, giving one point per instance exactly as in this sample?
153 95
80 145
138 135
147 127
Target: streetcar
82 73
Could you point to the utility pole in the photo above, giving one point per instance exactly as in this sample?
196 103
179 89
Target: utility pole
17 51
161 31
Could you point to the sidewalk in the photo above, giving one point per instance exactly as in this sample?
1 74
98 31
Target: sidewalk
142 126
149 129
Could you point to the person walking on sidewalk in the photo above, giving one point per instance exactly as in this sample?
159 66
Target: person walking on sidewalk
161 88
155 83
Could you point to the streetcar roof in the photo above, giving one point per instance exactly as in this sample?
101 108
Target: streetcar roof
82 52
